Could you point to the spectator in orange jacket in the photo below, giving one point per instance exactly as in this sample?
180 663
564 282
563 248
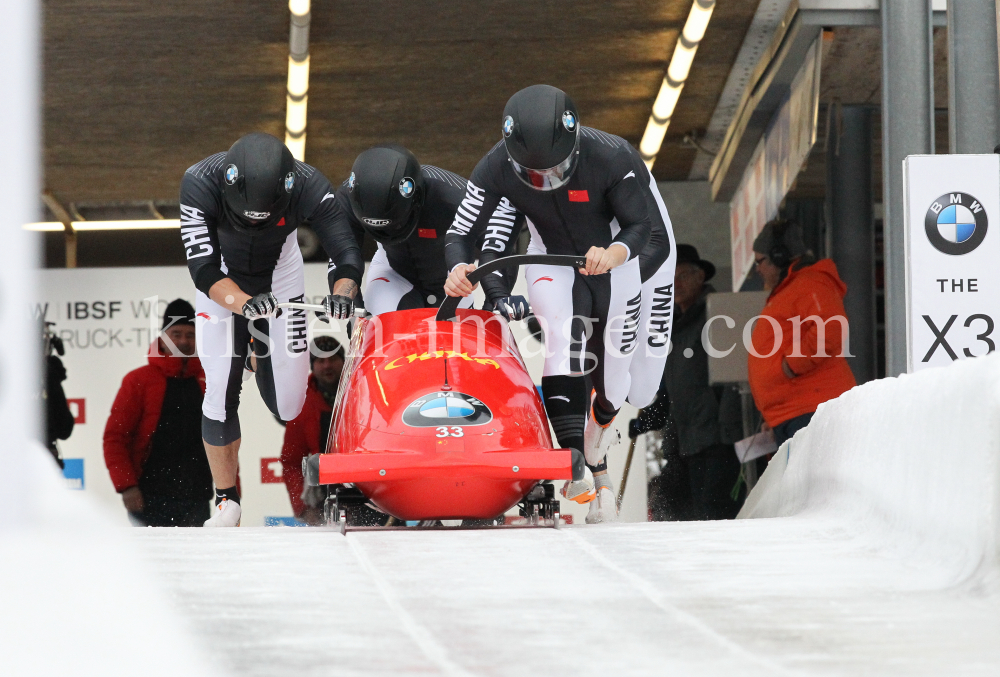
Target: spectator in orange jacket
798 358
306 434
152 441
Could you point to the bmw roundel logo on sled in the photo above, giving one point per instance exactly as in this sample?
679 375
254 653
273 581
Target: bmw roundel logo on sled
569 120
508 126
956 223
289 182
232 173
406 186
446 408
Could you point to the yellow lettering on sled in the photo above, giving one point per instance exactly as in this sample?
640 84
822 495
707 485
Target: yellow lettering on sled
438 354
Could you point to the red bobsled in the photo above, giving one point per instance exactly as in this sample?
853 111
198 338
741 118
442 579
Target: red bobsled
439 419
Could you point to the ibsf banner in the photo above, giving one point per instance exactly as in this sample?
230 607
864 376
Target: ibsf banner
952 257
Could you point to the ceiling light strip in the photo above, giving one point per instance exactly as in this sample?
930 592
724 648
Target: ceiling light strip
674 79
138 224
297 97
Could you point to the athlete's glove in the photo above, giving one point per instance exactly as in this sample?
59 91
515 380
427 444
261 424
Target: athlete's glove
512 308
261 305
337 307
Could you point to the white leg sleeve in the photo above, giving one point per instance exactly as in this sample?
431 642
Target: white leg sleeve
289 345
550 292
650 355
385 287
621 331
654 328
214 340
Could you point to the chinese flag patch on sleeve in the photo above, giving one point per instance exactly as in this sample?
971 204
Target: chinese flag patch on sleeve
578 196
427 232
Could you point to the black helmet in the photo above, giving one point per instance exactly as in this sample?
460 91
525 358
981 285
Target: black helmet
387 192
541 130
259 175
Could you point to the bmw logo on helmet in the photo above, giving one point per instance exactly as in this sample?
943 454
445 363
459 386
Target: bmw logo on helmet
232 173
289 182
351 182
956 223
406 186
508 126
569 121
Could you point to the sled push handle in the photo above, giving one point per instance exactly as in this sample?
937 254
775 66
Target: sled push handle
450 305
292 305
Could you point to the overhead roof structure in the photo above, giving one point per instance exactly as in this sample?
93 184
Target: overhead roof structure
135 92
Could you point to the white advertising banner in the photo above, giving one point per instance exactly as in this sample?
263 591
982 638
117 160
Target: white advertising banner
106 318
952 215
775 164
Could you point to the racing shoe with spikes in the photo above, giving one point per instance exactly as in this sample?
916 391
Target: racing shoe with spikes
604 508
598 439
226 514
580 491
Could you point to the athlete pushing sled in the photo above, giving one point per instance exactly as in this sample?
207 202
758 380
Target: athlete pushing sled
584 192
239 212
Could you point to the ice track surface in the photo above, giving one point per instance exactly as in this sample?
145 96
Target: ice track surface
871 549
762 597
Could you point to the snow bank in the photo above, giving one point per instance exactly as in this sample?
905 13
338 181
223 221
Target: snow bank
75 598
912 463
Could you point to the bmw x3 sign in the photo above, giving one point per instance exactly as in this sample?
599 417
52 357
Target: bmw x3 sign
952 257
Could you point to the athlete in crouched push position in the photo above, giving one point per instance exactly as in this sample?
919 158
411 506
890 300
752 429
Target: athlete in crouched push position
586 193
239 212
407 209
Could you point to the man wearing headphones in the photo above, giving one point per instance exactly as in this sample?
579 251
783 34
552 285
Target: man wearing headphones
798 358
407 209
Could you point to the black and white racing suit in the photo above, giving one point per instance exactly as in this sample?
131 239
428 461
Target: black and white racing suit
257 261
614 327
412 273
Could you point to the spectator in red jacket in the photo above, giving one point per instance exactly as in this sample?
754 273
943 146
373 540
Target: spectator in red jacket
152 441
306 434
798 364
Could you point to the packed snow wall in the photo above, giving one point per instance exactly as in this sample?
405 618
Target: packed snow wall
911 463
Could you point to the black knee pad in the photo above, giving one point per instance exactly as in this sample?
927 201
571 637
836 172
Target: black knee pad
600 467
221 433
566 406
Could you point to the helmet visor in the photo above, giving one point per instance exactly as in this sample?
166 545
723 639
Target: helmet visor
548 179
388 233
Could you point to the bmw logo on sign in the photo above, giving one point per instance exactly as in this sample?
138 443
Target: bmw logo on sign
508 126
569 121
956 223
289 182
446 408
406 186
232 173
